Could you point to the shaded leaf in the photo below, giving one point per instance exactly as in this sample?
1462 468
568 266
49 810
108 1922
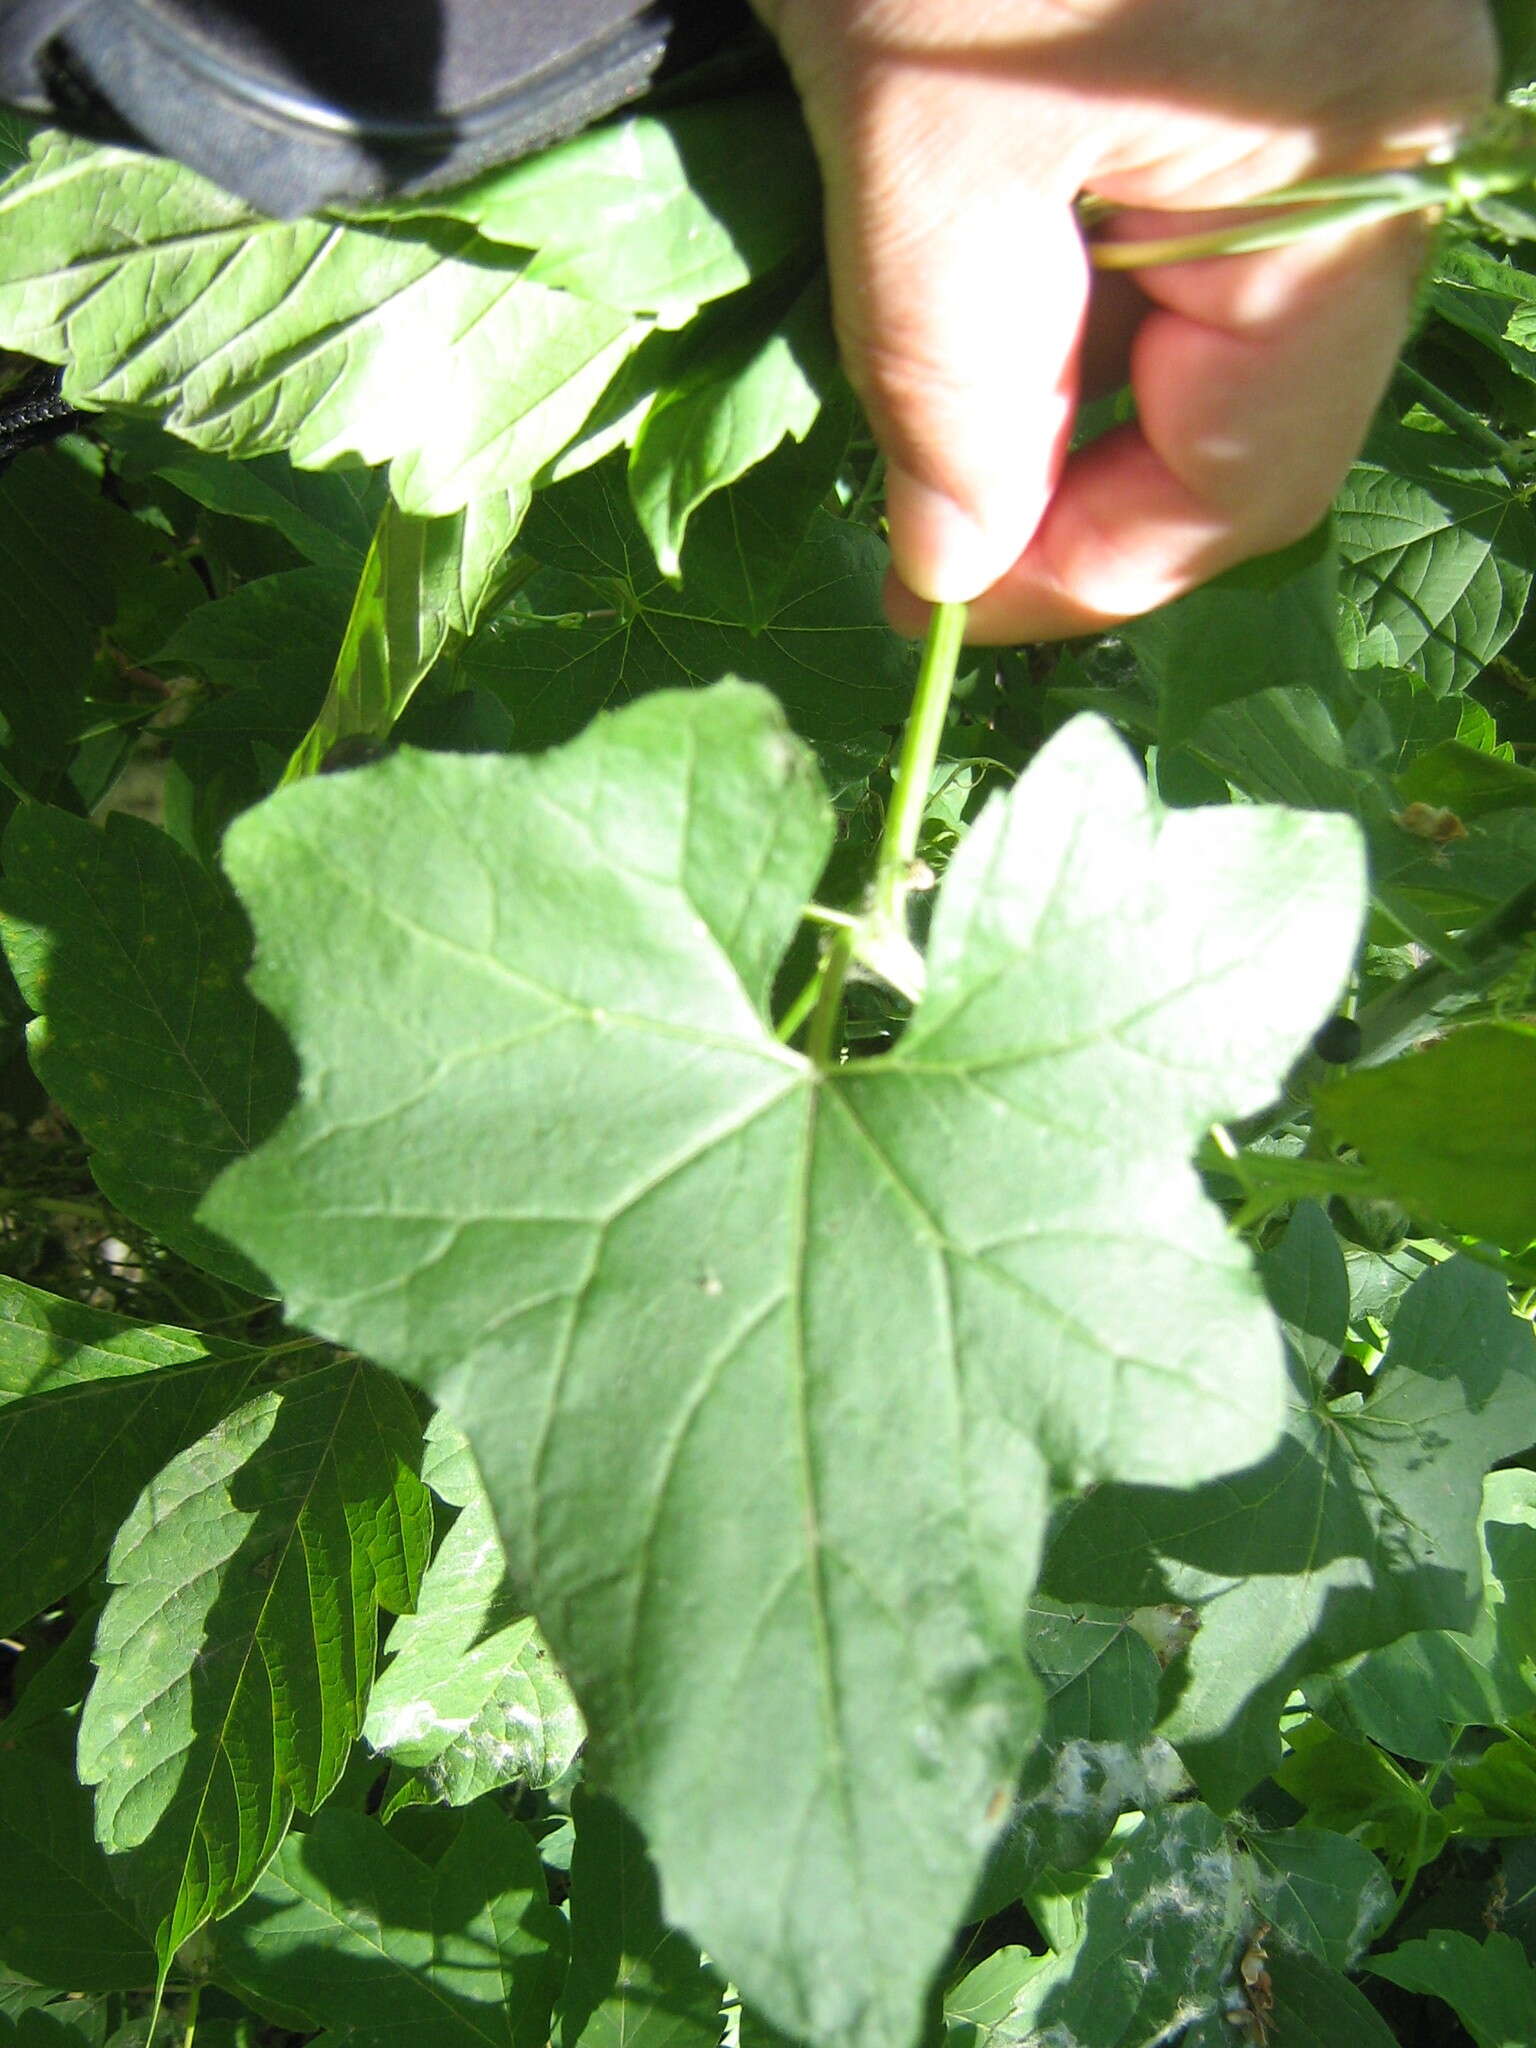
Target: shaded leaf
1468 781
823 648
766 1367
1447 1129
1490 1985
133 955
349 1931
1360 1528
59 596
1360 1790
235 1653
1099 1674
328 517
1316 2007
52 1346
1319 1891
95 1406
270 648
1416 1695
633 1982
62 1919
51 2020
1496 1792
1258 627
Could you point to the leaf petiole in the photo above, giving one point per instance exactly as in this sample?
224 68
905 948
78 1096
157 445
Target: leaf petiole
1328 205
880 937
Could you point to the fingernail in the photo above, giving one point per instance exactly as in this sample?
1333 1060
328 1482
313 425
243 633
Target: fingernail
942 552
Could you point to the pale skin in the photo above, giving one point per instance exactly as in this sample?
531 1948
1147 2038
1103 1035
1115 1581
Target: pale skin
954 137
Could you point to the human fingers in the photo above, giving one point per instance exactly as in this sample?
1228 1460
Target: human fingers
960 284
1255 379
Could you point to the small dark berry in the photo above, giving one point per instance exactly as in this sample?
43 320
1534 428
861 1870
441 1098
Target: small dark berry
356 750
1339 1041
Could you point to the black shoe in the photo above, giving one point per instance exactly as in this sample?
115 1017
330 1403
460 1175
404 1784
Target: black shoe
294 104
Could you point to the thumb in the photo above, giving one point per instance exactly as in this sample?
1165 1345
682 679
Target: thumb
960 285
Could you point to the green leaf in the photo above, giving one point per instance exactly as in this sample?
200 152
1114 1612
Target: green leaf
1490 1984
420 591
1447 1129
823 647
133 956
270 649
767 1367
235 1653
1320 1891
1483 294
50 2019
1360 1790
1099 1673
1315 2007
164 297
1258 627
1073 1797
1468 781
1360 1528
749 386
656 212
329 518
985 1996
350 1931
16 132
1158 1937
634 1982
95 1406
1414 1696
1496 1792
59 596
52 1346
1440 561
62 1919
470 1698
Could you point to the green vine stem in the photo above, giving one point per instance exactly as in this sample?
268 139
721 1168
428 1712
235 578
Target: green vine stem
1324 205
883 929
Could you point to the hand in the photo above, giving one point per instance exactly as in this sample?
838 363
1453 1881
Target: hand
954 136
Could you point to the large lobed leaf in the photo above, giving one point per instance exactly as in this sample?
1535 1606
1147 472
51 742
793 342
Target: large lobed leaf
768 1369
234 1655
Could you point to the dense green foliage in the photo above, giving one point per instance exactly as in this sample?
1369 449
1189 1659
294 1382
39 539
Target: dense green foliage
563 1485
